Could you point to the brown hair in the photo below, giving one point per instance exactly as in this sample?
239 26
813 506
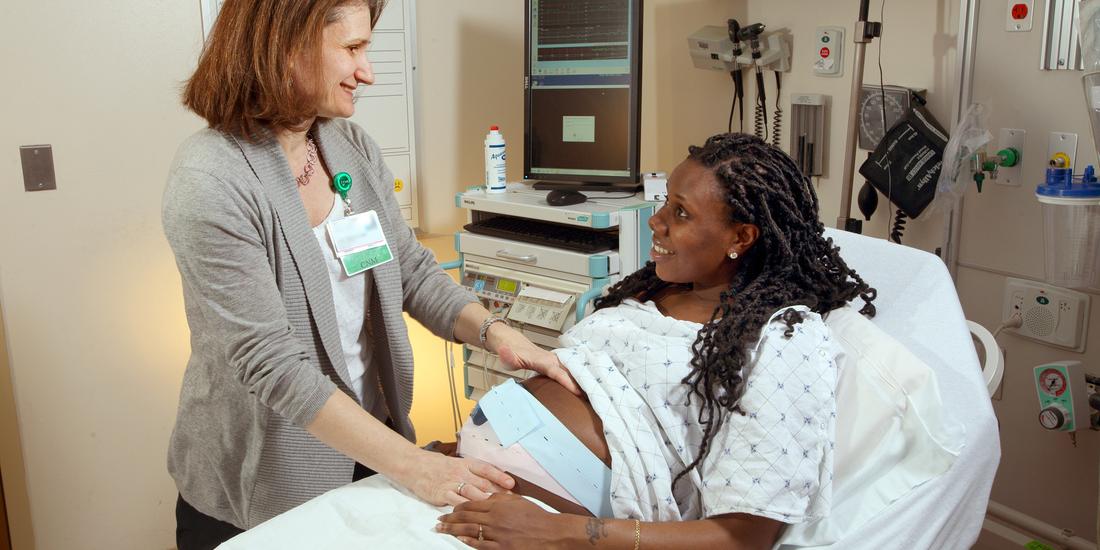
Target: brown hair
244 77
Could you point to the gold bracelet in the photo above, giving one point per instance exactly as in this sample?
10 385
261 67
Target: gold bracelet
637 534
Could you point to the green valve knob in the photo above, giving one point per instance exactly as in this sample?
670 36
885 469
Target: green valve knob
1010 156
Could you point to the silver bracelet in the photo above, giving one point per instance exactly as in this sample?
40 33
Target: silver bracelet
484 331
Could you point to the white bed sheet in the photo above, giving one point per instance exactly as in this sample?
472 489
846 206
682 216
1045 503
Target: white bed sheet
917 304
370 513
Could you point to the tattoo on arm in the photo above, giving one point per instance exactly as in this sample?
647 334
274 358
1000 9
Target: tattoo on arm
595 528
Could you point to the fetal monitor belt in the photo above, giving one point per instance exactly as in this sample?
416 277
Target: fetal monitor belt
517 417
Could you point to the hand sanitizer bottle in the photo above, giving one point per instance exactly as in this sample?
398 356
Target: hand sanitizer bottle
495 177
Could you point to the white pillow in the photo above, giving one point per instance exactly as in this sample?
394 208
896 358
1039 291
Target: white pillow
890 433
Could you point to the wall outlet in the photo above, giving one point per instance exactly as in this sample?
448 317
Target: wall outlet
1052 315
1020 16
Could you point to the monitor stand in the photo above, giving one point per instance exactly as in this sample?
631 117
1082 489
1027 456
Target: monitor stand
617 187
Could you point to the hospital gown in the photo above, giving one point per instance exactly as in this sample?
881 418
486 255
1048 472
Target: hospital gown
774 460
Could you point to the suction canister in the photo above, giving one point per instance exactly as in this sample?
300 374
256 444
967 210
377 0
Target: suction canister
1071 227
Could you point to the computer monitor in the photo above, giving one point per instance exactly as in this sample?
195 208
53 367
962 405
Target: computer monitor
582 100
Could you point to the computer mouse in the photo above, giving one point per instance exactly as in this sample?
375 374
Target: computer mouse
563 197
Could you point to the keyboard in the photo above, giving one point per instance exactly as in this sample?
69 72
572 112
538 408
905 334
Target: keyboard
546 234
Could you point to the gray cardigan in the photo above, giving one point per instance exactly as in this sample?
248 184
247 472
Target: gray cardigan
265 347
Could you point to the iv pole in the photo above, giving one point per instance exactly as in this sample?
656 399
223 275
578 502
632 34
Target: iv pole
865 32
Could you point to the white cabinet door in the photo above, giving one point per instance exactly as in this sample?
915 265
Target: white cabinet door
393 17
402 173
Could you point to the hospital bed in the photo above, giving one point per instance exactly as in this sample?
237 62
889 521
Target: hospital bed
917 304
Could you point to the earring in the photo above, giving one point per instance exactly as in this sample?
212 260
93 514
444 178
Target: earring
733 254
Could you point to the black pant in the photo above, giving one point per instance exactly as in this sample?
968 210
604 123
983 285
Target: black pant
198 531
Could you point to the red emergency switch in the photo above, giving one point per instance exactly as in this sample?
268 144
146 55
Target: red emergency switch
824 53
1019 11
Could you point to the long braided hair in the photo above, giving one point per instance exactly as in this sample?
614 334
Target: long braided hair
790 263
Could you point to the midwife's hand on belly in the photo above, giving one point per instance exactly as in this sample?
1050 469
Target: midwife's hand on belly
441 480
522 354
519 353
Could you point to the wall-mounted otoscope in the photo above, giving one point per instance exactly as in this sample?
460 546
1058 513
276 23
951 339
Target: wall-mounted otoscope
734 29
751 34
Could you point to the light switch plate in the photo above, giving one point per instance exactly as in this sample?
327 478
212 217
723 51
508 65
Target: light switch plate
1063 143
1020 16
38 173
1014 138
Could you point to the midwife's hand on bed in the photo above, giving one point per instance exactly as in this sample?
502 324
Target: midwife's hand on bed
519 353
441 480
505 521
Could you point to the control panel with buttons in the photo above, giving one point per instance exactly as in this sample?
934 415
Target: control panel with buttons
828 51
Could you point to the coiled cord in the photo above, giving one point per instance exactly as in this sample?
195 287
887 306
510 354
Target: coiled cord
777 120
760 121
899 226
760 115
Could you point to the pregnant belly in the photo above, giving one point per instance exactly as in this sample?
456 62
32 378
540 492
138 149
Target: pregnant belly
577 415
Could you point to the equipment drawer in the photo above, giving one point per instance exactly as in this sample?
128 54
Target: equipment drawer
599 265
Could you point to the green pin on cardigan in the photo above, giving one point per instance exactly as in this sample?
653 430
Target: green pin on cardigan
342 182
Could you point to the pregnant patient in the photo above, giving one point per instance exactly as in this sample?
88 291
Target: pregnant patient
709 377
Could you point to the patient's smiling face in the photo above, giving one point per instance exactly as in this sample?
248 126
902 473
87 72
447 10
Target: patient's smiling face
693 232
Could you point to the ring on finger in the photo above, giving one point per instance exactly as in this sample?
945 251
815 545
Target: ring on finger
461 484
480 532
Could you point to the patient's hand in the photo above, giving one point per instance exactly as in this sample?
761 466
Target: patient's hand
447 448
506 521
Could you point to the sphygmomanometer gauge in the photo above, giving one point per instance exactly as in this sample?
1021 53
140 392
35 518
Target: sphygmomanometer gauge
898 101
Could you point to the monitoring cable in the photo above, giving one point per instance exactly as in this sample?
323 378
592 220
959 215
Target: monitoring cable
448 353
898 229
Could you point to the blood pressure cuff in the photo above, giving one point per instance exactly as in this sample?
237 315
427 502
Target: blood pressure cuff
906 164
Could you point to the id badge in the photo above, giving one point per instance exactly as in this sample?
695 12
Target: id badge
359 242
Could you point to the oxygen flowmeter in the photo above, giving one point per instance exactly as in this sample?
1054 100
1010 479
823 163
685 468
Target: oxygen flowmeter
1063 399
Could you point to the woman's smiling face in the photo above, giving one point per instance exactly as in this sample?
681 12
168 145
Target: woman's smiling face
693 233
344 61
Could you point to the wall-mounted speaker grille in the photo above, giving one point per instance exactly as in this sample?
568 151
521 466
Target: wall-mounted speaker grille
1040 321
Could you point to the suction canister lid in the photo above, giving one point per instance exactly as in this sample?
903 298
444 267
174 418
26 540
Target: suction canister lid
1063 188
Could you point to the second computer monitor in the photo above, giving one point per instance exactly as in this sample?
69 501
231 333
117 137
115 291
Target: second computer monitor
583 93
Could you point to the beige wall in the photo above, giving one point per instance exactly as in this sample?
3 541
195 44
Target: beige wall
1002 233
918 52
16 508
91 297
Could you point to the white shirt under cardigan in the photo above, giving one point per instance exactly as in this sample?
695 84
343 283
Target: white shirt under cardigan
351 297
775 460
